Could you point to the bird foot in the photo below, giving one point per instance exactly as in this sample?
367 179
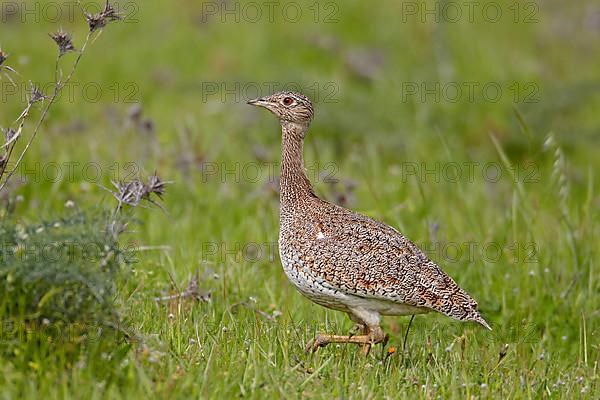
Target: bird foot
318 341
374 336
366 348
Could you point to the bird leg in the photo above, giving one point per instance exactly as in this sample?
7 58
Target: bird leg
371 336
363 329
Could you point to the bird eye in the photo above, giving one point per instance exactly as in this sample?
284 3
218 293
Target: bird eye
288 101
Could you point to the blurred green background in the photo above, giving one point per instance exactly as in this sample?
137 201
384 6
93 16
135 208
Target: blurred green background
508 91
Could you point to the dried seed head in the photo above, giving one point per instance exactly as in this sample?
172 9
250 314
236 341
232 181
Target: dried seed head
63 40
5 69
155 185
99 21
131 192
35 94
135 191
110 14
95 21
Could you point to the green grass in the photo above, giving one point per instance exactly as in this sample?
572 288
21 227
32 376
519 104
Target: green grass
528 247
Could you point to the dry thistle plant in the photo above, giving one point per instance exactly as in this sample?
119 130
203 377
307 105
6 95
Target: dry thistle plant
100 20
136 191
65 45
133 193
63 41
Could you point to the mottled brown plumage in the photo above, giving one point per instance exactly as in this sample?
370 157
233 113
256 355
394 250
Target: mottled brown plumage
347 261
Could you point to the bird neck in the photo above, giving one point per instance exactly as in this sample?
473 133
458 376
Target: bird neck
295 185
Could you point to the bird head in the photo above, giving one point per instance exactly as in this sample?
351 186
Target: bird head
289 107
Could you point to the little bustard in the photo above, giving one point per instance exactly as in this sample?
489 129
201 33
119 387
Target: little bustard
347 261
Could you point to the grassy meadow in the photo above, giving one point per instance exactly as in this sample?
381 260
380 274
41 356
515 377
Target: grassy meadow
472 129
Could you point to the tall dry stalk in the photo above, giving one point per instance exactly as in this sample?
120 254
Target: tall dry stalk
96 22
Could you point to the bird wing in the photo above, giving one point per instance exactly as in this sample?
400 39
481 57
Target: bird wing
364 257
